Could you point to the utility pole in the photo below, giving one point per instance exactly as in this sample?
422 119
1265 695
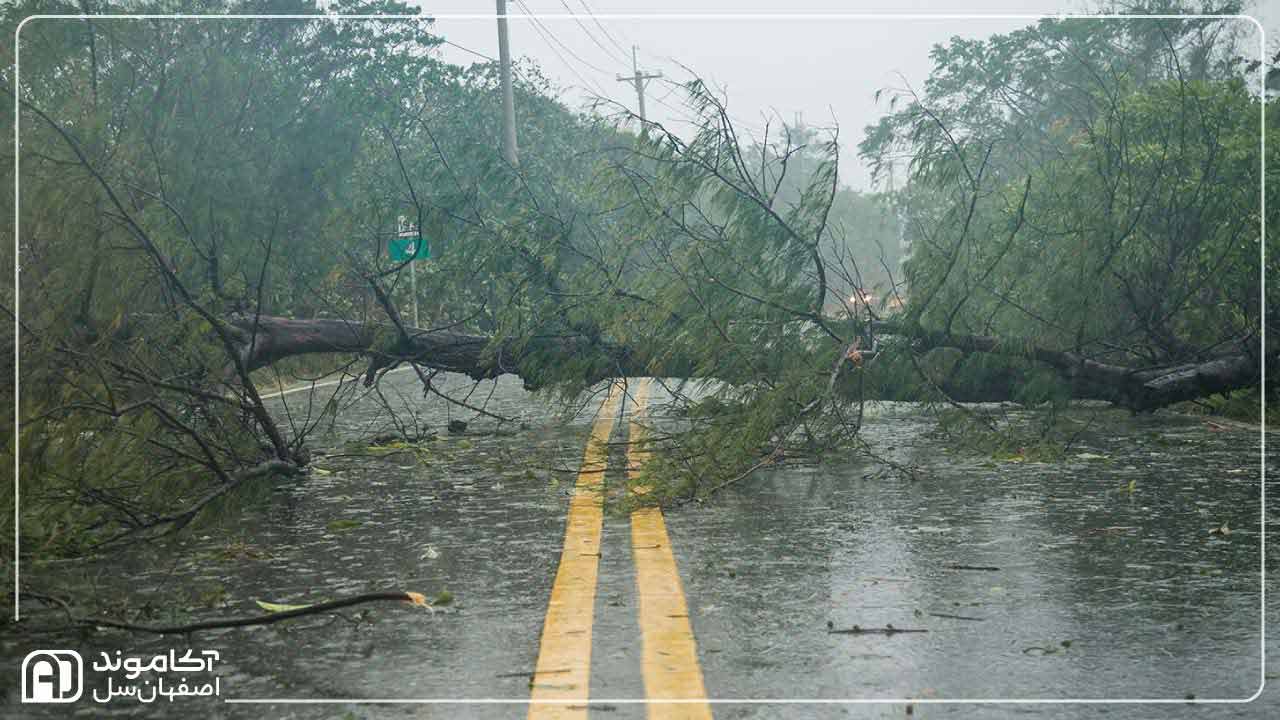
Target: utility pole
638 79
508 98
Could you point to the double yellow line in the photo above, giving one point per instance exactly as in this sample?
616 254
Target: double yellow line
669 660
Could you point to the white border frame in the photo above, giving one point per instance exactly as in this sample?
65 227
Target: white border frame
1262 34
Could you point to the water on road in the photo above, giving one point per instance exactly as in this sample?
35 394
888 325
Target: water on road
1130 569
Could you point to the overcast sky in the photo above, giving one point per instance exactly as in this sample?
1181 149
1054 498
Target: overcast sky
822 70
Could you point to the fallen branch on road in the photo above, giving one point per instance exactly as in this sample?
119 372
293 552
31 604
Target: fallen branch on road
956 617
413 598
180 519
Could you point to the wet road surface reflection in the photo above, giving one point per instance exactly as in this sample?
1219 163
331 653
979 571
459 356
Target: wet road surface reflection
1107 580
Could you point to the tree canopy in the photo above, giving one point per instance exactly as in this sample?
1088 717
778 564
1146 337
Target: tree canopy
204 199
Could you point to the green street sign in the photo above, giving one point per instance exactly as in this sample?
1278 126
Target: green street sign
404 248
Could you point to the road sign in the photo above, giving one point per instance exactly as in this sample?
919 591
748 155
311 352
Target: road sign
403 248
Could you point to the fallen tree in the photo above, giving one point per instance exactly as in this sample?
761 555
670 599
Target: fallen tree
268 339
1134 387
706 255
265 340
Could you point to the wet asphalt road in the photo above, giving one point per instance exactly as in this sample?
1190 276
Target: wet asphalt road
1100 591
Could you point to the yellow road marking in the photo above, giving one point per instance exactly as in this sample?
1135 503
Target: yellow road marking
563 671
669 660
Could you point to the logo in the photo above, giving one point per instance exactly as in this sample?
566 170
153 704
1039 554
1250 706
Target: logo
52 676
149 679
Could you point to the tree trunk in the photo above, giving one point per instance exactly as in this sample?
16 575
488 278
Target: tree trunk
268 339
1140 389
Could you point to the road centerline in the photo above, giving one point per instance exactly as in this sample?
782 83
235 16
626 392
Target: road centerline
563 670
669 656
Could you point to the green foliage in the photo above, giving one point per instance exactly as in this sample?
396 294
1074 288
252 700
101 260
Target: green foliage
1245 406
261 167
1081 186
1086 186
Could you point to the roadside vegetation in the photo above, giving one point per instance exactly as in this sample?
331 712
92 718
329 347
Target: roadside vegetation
206 209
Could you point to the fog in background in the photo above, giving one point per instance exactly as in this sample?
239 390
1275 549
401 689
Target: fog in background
821 71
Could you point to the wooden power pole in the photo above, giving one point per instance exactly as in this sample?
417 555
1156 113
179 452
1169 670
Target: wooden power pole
509 150
638 78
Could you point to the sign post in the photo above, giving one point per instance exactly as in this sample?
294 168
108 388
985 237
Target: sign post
409 245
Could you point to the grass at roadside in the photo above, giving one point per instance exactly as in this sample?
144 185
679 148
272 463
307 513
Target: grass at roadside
1243 406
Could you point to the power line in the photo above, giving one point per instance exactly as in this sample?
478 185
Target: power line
491 59
682 115
685 114
604 30
587 85
468 50
670 91
688 114
588 32
544 29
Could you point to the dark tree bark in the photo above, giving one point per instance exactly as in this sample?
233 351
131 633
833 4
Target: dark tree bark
268 339
1140 389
